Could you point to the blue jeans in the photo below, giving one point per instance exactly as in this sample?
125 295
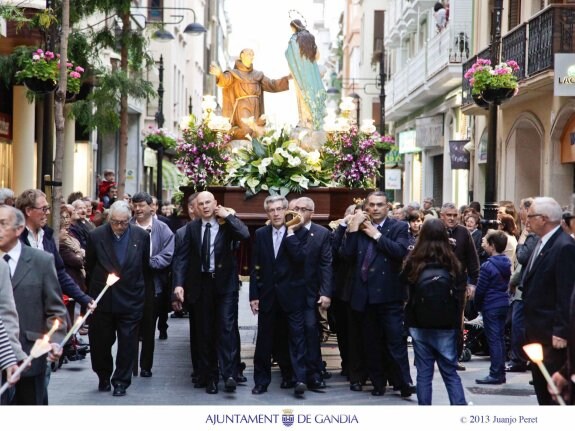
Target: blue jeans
436 345
517 354
494 325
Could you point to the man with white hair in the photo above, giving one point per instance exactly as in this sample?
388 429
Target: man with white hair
123 249
547 288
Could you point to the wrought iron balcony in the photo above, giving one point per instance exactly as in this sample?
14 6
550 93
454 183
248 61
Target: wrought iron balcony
533 45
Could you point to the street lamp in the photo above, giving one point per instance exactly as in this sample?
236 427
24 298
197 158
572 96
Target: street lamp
382 152
161 34
490 205
160 122
357 102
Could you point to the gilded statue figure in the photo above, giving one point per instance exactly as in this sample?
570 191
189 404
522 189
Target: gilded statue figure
243 100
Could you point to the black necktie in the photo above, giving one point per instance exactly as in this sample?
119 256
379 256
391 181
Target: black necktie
6 257
206 249
368 257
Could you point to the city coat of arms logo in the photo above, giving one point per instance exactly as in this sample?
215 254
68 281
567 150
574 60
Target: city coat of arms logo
287 417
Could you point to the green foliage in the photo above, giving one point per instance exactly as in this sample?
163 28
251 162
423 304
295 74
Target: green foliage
106 98
276 164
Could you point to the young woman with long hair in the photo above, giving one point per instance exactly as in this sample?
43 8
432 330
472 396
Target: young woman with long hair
433 344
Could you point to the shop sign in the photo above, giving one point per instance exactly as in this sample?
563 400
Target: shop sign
564 82
459 156
429 131
393 179
407 142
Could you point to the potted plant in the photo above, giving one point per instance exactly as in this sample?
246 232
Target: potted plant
492 84
40 72
159 138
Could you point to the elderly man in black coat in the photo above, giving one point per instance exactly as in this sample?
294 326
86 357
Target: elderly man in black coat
123 249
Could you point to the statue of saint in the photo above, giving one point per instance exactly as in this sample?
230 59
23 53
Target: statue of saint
243 89
301 55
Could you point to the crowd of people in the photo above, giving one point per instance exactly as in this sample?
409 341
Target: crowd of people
380 277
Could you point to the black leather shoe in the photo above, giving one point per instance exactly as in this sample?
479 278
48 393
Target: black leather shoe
490 381
407 391
163 335
259 389
317 384
356 387
199 384
241 378
230 385
516 368
119 391
460 367
299 388
212 388
145 373
287 384
104 385
378 391
325 375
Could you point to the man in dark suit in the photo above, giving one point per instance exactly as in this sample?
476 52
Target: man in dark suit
318 280
378 247
276 295
177 306
466 252
38 300
162 245
205 276
123 249
547 290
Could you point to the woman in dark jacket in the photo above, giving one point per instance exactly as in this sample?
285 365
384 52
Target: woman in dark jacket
430 343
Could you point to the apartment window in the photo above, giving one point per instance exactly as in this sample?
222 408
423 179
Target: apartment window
514 14
155 11
378 26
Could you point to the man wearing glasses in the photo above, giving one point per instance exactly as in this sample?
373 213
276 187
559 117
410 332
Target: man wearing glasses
318 281
547 289
123 249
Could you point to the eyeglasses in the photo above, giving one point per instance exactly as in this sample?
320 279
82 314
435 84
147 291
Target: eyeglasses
534 215
44 209
119 222
298 209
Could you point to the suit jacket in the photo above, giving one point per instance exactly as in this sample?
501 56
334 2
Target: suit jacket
127 295
547 290
187 263
162 254
343 270
466 252
383 282
68 285
8 311
38 299
318 271
277 278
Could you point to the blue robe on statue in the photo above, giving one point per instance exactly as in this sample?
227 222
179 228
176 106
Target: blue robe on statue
311 93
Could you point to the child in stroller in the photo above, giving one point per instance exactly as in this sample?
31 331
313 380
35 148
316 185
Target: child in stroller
474 340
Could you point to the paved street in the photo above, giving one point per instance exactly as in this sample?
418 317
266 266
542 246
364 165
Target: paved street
76 384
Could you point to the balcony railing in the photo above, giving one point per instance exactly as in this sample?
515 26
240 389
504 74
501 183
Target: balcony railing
450 47
533 44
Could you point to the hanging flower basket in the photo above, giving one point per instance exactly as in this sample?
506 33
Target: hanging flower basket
497 95
40 86
479 101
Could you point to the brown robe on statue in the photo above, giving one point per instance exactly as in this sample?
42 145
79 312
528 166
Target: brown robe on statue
243 95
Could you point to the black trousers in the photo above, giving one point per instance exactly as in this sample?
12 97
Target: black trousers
554 359
215 318
29 391
152 310
104 328
293 364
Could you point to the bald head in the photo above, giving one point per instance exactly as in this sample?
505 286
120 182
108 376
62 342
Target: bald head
206 204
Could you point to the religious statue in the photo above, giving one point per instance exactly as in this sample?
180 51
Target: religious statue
301 55
243 89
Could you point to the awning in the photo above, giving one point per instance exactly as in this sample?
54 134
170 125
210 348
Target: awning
171 176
